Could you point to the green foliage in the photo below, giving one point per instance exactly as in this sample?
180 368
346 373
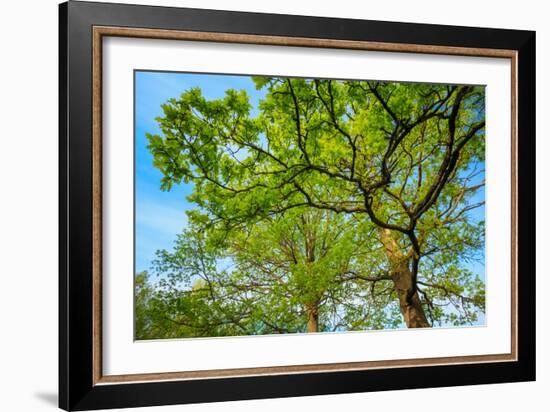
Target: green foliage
290 205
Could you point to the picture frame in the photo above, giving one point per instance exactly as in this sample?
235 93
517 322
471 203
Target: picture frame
83 27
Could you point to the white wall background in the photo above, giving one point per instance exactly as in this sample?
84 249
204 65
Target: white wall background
28 203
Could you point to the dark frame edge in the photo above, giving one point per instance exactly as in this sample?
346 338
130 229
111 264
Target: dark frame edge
63 332
526 211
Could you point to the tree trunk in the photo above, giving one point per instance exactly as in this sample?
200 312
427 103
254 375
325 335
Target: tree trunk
403 283
312 318
409 302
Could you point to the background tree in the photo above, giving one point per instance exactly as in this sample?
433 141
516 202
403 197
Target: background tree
147 324
296 273
407 157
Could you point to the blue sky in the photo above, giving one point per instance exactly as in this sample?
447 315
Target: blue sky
160 216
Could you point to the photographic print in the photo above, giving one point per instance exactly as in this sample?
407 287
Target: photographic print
280 205
241 193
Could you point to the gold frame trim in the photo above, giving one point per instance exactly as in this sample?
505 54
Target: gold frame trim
101 31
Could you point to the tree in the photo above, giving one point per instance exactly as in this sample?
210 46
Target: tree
296 273
407 158
147 325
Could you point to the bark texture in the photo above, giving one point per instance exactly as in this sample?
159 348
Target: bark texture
404 282
312 318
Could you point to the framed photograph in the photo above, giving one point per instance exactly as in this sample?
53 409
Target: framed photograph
256 206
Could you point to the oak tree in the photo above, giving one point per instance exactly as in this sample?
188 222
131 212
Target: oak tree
401 162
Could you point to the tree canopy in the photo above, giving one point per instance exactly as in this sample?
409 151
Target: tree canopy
337 205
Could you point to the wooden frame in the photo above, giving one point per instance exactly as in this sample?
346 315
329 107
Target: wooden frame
82 27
